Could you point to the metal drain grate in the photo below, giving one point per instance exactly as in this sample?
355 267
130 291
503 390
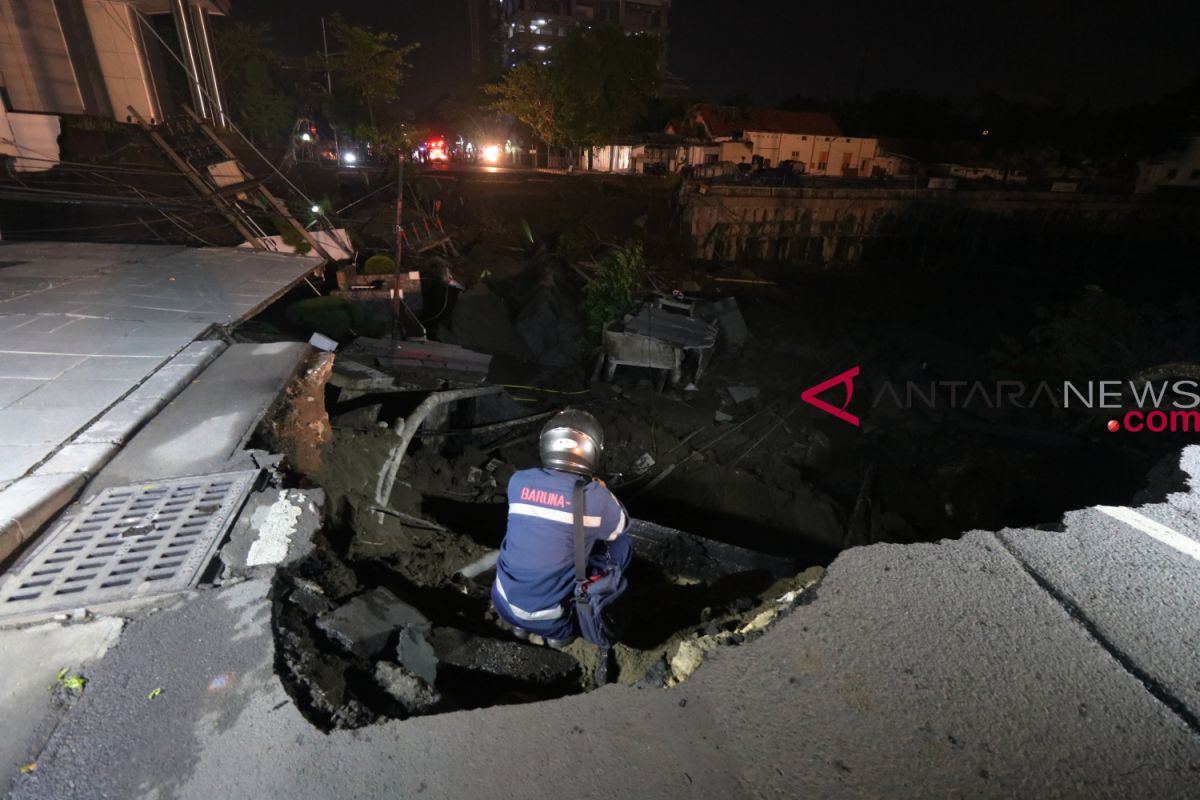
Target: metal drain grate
128 542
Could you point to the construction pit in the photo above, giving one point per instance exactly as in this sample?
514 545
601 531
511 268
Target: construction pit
741 492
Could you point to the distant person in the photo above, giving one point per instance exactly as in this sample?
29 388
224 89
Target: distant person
543 586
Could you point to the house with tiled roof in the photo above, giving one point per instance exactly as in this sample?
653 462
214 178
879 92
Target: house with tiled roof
811 140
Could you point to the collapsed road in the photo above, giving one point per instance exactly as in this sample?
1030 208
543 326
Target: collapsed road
299 549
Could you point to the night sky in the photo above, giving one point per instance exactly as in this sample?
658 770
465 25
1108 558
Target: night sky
1113 54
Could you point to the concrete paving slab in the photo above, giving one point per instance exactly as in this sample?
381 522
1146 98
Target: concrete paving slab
47 427
36 366
93 395
80 459
30 659
209 421
17 459
43 305
127 368
13 389
112 313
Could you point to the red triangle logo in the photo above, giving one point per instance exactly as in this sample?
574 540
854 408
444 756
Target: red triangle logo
845 379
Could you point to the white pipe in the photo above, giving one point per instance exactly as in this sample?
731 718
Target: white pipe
406 429
481 565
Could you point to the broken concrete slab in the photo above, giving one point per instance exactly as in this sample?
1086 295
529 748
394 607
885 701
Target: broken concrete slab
740 394
364 625
731 325
275 528
415 654
550 325
409 690
353 376
502 658
422 364
479 321
696 557
310 599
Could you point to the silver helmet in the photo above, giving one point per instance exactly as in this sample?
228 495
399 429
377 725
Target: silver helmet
572 441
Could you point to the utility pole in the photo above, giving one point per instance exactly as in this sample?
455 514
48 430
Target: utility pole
473 26
329 86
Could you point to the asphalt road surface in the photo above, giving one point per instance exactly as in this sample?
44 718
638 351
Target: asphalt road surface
1014 664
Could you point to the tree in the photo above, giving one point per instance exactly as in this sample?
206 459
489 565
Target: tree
593 89
605 79
369 63
259 99
529 93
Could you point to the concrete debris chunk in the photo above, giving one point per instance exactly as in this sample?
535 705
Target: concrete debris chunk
407 689
309 601
721 416
731 324
364 625
503 658
323 342
356 377
415 654
741 394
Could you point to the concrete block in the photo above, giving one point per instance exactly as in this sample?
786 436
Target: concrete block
364 625
29 503
79 459
502 658
120 422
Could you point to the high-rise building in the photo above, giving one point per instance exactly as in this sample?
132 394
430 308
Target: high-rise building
531 28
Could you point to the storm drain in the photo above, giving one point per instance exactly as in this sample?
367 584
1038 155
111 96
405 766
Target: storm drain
128 542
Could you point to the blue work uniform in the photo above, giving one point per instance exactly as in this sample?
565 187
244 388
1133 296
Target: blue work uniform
535 574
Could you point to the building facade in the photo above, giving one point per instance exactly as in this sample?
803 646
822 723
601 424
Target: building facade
1179 168
103 57
767 137
529 29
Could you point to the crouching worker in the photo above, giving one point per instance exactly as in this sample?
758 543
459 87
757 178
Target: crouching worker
564 554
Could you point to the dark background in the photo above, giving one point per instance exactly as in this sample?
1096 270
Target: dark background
1106 54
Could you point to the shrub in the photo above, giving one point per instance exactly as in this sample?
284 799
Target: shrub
615 289
379 264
